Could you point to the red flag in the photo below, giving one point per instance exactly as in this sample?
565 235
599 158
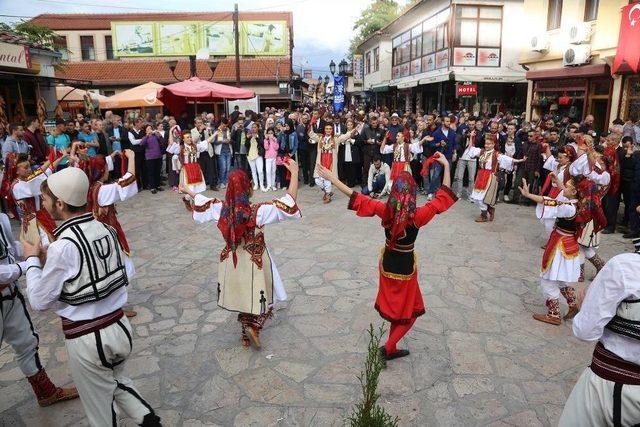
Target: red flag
629 39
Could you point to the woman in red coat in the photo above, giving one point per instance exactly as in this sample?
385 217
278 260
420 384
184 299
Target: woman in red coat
399 299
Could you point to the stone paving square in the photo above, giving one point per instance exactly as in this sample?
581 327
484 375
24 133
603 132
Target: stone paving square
477 356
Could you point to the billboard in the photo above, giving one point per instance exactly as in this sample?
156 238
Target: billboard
176 38
133 38
264 38
218 38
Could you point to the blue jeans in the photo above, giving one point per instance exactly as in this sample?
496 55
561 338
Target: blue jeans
377 184
224 166
434 177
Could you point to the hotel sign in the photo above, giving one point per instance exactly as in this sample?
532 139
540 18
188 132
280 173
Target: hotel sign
14 56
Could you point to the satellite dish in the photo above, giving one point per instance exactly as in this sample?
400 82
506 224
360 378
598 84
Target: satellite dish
202 53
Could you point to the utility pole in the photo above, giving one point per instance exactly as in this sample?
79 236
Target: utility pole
236 36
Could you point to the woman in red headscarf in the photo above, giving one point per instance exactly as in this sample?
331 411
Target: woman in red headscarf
248 281
399 299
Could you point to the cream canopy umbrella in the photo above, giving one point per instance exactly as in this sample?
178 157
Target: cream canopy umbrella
68 93
140 96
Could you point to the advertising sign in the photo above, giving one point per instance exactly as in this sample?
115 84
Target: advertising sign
264 38
395 72
428 63
405 70
178 38
133 39
488 57
307 74
467 89
218 38
168 38
442 59
357 65
464 56
14 56
416 66
338 93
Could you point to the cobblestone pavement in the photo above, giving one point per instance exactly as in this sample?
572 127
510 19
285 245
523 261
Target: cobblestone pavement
477 357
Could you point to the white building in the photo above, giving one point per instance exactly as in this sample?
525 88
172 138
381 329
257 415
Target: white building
448 54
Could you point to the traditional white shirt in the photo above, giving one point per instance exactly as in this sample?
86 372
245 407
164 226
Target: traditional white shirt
581 167
618 280
504 162
267 214
10 271
414 148
44 283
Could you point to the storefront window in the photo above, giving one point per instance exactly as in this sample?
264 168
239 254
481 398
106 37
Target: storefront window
489 33
428 42
478 26
441 37
631 98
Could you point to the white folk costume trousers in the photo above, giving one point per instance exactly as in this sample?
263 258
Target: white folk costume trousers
16 328
96 363
324 184
551 288
586 252
549 224
591 403
271 173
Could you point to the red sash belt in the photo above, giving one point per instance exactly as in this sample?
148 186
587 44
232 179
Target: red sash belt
326 159
610 367
73 329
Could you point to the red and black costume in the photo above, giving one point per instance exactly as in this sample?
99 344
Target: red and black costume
399 299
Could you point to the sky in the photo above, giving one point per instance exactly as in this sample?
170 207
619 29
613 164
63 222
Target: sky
321 29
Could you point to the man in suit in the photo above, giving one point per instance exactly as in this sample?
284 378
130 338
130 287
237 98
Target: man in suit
444 141
372 135
118 141
317 124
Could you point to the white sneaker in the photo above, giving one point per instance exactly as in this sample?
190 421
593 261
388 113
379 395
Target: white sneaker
255 187
506 198
274 189
223 186
264 190
458 195
430 196
471 200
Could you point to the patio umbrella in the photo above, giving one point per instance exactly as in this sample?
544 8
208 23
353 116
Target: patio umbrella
175 96
145 95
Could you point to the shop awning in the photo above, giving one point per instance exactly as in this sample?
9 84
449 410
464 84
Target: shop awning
486 78
441 77
381 88
145 95
407 85
570 72
44 79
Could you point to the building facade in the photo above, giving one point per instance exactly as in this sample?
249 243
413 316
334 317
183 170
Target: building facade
120 51
570 50
448 55
27 77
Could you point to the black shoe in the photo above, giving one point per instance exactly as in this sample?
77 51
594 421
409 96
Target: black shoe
160 189
632 235
608 231
398 354
153 191
312 185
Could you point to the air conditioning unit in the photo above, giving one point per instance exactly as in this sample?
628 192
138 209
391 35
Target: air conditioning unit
540 43
576 55
580 33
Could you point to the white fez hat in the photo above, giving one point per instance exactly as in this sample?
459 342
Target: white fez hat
70 185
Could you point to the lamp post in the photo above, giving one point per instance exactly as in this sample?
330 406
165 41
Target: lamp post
173 64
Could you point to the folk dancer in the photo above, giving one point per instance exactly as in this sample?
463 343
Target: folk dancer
588 164
16 326
191 176
84 281
485 188
560 264
403 151
36 221
399 300
328 145
608 391
248 280
557 168
104 193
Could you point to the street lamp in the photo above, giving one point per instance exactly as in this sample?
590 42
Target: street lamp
332 67
319 80
343 67
326 79
173 64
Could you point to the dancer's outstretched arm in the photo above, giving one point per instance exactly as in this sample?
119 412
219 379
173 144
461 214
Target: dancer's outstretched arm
330 176
292 167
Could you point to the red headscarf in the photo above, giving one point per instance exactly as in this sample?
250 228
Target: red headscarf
235 218
401 206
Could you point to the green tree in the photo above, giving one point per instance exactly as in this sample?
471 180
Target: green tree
36 34
375 17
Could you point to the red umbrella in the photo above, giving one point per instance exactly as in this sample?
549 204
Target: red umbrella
176 95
